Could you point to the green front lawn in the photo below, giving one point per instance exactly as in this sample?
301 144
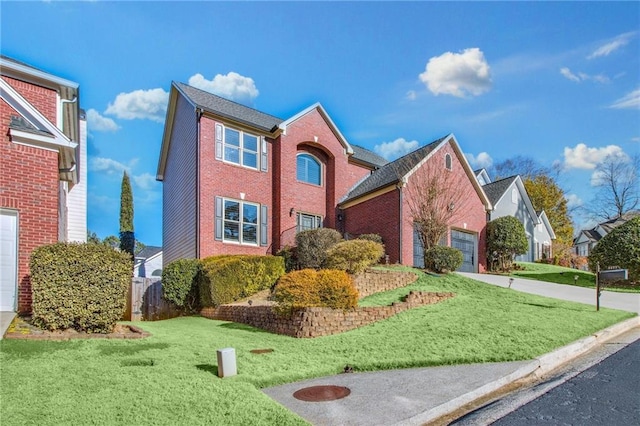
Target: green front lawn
562 275
170 378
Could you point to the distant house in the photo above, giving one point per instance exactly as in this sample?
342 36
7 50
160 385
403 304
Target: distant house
239 181
588 238
148 263
43 172
509 198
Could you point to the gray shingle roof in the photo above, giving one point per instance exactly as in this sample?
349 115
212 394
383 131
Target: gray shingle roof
495 190
391 172
229 109
369 157
19 123
148 251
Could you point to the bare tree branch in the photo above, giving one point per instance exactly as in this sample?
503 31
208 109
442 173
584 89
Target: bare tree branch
617 179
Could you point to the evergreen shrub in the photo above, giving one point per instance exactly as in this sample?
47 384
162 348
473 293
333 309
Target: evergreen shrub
372 237
442 259
354 256
180 284
506 239
312 246
228 278
310 288
621 248
82 286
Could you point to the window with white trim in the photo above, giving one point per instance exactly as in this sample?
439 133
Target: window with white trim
514 196
240 148
306 222
308 169
241 222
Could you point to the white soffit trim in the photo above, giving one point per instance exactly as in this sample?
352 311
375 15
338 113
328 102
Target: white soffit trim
11 68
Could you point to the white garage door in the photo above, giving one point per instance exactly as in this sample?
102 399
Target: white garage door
8 259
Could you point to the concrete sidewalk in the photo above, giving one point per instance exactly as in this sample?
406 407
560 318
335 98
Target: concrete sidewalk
5 321
427 395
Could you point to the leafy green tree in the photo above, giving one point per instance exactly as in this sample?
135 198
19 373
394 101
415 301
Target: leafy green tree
92 237
621 248
127 237
506 238
546 194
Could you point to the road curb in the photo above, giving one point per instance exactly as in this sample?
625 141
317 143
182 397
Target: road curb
538 367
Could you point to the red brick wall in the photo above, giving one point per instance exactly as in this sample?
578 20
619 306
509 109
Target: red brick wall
220 179
379 215
28 184
45 100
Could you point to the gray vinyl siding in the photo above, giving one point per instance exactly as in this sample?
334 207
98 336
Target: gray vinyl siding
179 187
519 210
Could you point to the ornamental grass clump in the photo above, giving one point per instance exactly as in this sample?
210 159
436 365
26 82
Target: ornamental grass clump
354 256
80 286
310 288
228 278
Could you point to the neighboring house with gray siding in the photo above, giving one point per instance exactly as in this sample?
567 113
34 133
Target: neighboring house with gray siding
148 263
588 238
509 198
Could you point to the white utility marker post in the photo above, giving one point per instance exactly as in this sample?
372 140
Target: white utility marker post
227 362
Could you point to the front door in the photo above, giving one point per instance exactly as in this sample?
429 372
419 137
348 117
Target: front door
8 259
466 242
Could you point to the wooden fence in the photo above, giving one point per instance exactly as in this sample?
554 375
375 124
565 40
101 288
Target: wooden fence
145 301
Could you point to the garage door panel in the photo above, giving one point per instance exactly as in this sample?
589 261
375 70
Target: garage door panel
466 243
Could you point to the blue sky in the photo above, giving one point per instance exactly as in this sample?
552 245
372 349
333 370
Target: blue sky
559 82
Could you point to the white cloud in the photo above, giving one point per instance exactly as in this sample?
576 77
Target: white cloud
140 104
458 74
98 123
600 78
482 161
395 149
231 86
411 95
107 165
612 45
583 157
573 201
144 181
635 139
629 101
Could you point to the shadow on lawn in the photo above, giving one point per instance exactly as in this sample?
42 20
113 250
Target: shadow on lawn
561 278
213 369
117 348
243 327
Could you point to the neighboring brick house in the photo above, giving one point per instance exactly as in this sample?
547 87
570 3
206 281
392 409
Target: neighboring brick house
509 197
239 181
43 175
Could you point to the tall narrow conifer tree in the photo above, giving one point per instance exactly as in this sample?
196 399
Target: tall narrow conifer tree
127 237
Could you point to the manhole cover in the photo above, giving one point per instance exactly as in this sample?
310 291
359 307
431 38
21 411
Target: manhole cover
321 393
260 351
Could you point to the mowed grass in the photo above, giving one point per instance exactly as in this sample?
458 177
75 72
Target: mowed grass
562 275
170 378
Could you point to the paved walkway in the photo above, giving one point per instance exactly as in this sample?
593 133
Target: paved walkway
5 322
423 395
609 299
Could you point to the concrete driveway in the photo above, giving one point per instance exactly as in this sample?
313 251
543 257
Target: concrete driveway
608 299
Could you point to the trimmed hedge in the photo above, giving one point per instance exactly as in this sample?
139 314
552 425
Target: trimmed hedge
227 278
179 283
620 247
354 256
442 259
310 288
312 246
81 286
372 237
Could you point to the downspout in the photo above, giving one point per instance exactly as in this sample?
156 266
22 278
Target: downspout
198 112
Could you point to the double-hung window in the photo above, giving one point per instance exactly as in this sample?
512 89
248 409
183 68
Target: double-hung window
240 148
240 222
308 221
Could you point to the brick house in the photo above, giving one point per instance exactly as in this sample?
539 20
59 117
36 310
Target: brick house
43 176
239 181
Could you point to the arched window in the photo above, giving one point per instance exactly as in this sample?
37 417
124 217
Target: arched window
308 169
447 161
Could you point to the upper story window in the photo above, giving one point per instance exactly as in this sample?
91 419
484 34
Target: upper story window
308 169
447 161
240 148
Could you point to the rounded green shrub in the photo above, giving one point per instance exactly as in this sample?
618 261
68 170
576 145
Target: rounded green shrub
312 246
506 239
354 256
81 286
442 259
621 248
228 278
290 257
372 237
179 283
311 288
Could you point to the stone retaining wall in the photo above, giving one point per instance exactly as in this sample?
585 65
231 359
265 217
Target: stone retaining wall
315 322
375 280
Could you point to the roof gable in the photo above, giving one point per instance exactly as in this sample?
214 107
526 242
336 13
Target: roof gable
497 191
542 216
323 113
